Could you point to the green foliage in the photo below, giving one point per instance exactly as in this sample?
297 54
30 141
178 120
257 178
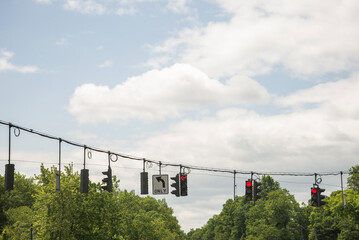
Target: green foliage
333 221
35 207
274 218
68 214
278 216
353 179
22 195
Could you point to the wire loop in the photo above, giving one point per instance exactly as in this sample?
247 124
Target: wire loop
89 154
16 131
186 170
319 180
113 160
149 165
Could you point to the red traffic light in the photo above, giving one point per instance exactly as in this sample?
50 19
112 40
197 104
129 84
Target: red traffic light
183 177
314 190
248 183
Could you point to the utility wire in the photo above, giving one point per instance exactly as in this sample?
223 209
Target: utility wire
163 164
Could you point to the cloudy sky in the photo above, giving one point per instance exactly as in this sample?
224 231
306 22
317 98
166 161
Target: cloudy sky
259 85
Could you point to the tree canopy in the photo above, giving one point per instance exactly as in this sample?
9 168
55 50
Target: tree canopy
277 215
35 207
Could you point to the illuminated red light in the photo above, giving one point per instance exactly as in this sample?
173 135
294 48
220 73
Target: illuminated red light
249 184
314 190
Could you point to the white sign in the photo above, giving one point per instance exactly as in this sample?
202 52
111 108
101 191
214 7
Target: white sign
160 184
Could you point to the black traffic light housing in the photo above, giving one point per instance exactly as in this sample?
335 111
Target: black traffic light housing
9 176
316 196
249 192
107 180
184 188
321 203
144 182
176 185
84 184
257 190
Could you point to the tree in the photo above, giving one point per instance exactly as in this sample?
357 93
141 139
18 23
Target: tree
333 221
353 179
19 223
22 195
68 214
274 217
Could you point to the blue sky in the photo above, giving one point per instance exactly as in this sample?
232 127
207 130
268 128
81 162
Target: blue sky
247 85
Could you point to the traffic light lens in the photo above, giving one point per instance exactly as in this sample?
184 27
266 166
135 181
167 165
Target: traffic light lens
249 184
314 190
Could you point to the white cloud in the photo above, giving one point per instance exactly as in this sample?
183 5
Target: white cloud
160 94
85 6
62 42
5 65
126 11
45 1
99 48
318 139
244 140
305 37
178 6
105 64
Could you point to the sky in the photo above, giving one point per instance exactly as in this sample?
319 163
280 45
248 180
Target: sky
259 85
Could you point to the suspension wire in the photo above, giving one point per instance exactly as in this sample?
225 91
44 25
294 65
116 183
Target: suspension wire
200 168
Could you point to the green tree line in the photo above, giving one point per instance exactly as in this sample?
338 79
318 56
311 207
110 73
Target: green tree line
34 209
278 216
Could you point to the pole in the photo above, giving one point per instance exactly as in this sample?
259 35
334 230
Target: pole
60 140
9 142
234 185
85 157
58 173
160 164
343 193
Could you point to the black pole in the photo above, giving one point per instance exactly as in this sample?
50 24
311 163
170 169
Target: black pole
234 185
10 125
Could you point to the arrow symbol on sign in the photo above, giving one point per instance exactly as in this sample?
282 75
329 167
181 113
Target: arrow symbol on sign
159 179
183 177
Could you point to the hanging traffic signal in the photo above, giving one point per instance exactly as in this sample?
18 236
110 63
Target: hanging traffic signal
144 182
84 184
320 197
248 190
315 196
184 189
58 181
316 193
107 180
257 190
176 183
9 177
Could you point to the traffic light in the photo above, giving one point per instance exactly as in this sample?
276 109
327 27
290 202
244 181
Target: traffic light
9 176
257 190
184 190
316 193
248 190
144 182
107 180
176 183
58 181
321 203
84 184
315 196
